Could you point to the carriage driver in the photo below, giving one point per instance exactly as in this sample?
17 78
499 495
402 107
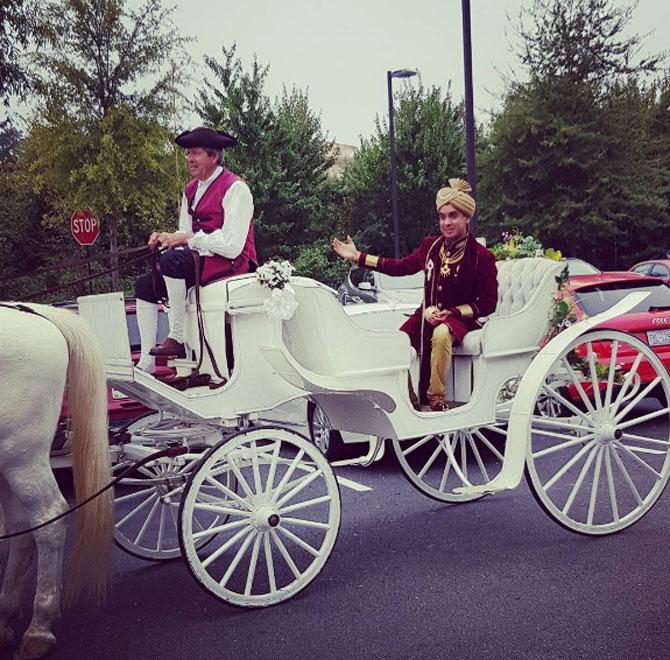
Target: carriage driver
216 221
460 286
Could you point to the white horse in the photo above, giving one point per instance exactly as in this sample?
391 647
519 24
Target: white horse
37 353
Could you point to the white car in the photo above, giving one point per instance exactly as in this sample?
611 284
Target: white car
363 285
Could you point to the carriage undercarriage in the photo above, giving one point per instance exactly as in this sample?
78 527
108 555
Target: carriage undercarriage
255 509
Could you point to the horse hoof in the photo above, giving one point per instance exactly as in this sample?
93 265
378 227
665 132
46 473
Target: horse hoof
34 647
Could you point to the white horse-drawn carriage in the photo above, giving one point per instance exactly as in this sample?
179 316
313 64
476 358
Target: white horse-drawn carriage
254 508
257 515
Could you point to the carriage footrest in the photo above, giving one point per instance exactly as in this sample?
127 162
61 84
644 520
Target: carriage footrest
490 488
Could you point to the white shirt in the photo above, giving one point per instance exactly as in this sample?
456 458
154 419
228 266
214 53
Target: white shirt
238 209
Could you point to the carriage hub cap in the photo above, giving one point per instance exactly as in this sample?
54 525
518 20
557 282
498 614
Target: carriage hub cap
607 433
265 517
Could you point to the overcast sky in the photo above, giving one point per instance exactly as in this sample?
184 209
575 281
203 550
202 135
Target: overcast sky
340 50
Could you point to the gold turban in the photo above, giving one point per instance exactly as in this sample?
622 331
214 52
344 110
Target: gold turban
457 195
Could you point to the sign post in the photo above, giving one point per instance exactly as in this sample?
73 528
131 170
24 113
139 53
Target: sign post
85 228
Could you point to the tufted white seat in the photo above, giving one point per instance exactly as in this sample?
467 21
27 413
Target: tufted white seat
526 288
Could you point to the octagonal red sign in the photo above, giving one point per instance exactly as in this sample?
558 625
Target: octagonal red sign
85 227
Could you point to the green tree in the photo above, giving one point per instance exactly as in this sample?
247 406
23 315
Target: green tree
24 242
283 153
9 142
100 55
580 41
99 138
658 154
18 24
629 189
119 165
567 158
429 146
319 261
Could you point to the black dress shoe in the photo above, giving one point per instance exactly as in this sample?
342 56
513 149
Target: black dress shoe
169 348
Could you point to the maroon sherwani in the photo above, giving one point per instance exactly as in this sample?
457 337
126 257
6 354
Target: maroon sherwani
208 216
468 289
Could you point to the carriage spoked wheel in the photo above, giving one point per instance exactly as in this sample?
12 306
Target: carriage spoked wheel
436 464
602 462
146 502
281 525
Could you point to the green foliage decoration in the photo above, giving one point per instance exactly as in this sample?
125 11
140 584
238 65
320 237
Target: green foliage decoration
516 245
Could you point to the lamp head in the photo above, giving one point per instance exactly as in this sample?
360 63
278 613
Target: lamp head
403 73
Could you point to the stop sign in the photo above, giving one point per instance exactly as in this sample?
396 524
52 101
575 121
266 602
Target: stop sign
85 227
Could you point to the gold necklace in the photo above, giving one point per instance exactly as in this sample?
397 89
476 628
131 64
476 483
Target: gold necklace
449 259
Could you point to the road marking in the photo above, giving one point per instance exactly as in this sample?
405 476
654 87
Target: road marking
354 485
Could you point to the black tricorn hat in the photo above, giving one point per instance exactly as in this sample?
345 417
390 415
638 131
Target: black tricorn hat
205 138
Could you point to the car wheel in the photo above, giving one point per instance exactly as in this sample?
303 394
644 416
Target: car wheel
327 440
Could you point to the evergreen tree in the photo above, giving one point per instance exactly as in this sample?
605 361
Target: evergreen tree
283 153
567 158
580 41
658 158
23 240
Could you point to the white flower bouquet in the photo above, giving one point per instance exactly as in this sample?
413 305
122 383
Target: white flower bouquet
274 274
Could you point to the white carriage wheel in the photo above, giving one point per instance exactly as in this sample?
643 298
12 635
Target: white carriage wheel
603 461
436 464
146 508
282 523
146 503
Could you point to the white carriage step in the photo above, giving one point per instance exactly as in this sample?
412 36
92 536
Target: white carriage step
490 488
353 485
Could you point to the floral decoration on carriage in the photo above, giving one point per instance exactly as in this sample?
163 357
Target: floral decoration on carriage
516 245
276 275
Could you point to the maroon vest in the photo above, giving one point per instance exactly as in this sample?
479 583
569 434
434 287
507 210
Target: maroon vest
208 216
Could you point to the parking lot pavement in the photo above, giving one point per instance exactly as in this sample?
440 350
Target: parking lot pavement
409 578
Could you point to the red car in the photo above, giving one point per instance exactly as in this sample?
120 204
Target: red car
655 268
120 408
649 321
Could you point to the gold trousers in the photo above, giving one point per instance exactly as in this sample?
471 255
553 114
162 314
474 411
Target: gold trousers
440 359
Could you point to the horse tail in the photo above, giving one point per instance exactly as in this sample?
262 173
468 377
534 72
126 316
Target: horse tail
87 409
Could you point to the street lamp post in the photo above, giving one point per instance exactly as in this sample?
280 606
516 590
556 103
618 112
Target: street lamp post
390 75
469 111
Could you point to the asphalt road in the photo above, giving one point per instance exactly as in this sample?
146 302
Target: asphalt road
409 578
